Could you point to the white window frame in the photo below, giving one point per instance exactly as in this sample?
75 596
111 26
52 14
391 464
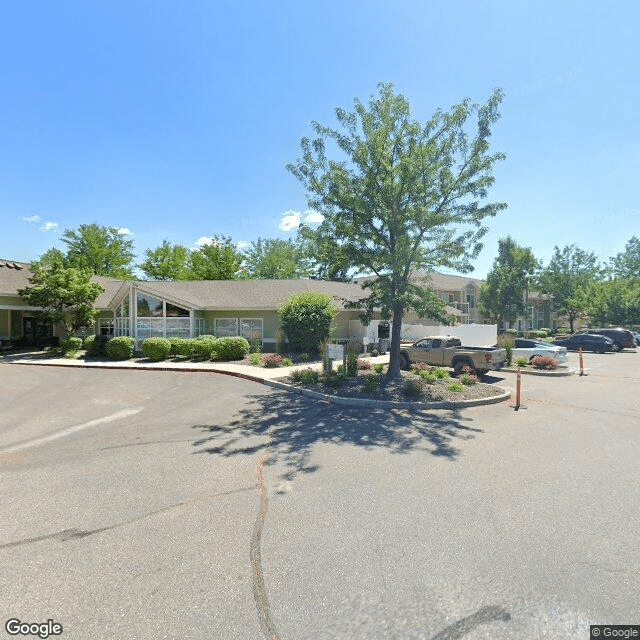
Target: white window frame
222 320
198 327
261 320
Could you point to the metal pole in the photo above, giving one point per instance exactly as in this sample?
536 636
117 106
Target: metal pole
517 388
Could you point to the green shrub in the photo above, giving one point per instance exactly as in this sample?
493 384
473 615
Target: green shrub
287 362
96 346
340 368
156 349
378 368
305 376
371 383
256 359
428 376
455 385
413 389
72 343
305 357
441 374
352 365
420 366
306 320
562 330
120 348
72 354
204 347
467 379
183 346
522 361
272 360
232 348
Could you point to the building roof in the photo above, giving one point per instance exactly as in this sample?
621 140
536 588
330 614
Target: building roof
436 281
13 276
247 294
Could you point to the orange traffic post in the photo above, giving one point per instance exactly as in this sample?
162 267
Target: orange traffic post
580 352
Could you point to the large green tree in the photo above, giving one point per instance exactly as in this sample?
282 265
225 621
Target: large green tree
567 278
327 260
273 258
615 301
503 296
402 195
166 262
626 264
219 260
66 294
103 250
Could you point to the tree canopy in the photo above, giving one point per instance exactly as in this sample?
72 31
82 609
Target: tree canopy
403 195
166 262
502 297
220 260
103 250
66 294
567 278
273 258
626 264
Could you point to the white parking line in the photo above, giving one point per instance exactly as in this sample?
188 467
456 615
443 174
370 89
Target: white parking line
125 413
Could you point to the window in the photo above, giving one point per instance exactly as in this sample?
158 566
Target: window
437 344
106 326
178 327
251 328
150 328
424 344
223 327
148 306
172 311
199 326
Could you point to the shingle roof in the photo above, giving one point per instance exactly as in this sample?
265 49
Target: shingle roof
247 294
13 276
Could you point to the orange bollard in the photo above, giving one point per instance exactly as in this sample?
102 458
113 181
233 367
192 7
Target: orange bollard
580 352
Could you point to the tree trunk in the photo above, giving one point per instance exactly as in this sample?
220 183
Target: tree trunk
394 348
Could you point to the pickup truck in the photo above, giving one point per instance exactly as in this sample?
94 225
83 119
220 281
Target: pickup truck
447 351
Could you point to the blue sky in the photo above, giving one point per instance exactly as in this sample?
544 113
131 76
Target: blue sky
176 119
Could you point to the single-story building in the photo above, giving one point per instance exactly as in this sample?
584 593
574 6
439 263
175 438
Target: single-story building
145 309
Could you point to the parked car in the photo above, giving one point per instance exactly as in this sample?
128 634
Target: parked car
623 338
637 335
525 348
588 342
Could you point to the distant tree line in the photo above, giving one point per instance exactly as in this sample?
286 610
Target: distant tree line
578 284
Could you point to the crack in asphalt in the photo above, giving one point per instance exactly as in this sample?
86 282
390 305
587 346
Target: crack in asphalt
259 587
465 625
74 534
138 444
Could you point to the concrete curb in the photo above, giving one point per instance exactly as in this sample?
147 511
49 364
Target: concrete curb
315 395
541 372
388 404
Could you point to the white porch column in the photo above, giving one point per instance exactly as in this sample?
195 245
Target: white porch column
191 322
9 320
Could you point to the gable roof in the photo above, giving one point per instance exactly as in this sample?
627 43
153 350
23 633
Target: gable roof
247 294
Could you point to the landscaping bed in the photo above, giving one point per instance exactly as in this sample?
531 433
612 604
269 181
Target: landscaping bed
408 387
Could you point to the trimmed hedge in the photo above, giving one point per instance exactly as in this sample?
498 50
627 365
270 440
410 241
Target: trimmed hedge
204 347
182 347
120 348
156 349
71 343
233 348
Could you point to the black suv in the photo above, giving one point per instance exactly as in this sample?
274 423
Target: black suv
621 337
588 342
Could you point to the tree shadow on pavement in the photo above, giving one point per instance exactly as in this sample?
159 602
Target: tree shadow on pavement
289 426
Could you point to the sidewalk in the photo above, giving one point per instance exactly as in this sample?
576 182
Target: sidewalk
250 372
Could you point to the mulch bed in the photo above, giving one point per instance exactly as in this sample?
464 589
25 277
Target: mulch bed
396 390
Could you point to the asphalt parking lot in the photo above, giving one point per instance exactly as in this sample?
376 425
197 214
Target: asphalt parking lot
144 504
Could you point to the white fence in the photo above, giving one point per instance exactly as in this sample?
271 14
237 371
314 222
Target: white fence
471 335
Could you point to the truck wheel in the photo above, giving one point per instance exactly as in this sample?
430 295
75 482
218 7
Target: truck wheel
460 365
404 362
